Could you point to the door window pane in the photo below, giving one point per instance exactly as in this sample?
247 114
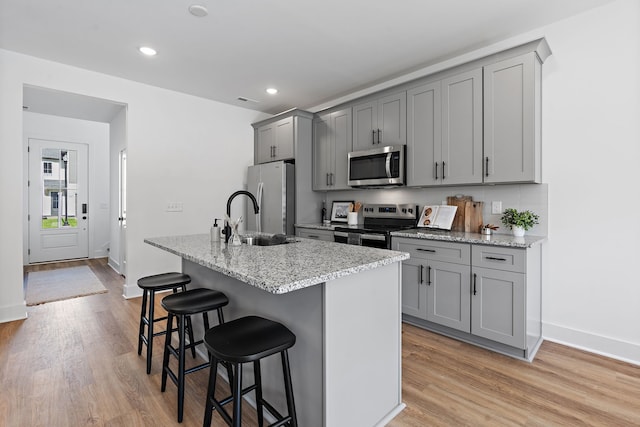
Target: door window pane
60 188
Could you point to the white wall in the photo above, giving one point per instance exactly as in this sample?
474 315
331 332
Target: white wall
180 148
96 135
591 157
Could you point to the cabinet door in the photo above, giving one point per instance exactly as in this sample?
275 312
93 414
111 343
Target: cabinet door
341 137
414 292
321 153
448 295
392 120
424 136
461 161
266 142
284 146
498 306
510 151
365 125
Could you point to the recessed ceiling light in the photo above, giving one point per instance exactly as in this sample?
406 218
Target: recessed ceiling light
272 91
198 10
147 50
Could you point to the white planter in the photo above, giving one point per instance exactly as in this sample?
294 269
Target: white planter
517 231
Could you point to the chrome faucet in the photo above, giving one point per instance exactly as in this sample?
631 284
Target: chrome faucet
227 228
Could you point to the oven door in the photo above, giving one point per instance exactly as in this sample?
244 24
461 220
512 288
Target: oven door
360 239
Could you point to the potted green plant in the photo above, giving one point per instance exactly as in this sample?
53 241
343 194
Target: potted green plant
519 222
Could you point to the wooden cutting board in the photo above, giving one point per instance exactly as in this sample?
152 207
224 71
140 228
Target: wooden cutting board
460 202
468 215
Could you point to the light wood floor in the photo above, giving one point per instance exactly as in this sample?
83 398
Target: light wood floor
75 362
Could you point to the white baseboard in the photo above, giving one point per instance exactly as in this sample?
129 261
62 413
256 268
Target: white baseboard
13 312
131 291
605 346
115 265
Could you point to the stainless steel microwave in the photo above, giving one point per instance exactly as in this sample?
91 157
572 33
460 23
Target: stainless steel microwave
381 166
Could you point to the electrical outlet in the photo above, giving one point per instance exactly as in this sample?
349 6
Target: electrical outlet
174 207
496 207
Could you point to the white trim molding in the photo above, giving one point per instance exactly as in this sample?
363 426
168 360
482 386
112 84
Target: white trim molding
9 313
605 346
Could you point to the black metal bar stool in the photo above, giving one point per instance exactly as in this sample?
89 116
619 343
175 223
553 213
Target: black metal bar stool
244 340
150 285
181 305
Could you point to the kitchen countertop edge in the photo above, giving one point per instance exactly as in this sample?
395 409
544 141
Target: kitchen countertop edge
503 240
273 284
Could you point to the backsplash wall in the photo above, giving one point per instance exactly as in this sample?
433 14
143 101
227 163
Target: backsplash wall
533 197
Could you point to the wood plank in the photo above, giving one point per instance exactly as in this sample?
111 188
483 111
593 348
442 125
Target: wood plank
75 362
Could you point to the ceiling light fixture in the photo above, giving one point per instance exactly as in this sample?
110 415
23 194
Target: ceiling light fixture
272 91
198 10
147 50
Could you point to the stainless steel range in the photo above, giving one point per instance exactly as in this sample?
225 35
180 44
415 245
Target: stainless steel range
379 221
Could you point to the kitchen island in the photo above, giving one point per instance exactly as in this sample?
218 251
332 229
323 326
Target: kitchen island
342 302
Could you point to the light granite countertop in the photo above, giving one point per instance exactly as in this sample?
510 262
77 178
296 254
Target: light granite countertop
505 240
320 226
282 268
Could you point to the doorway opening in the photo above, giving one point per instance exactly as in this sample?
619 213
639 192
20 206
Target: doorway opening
72 177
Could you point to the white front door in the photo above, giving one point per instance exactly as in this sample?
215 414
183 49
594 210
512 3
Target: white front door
58 200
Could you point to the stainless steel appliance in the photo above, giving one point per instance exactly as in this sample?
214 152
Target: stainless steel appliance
381 166
379 221
273 186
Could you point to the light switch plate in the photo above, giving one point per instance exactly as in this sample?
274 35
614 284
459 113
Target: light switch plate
174 207
496 207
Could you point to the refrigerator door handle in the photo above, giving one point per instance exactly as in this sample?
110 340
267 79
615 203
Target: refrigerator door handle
259 214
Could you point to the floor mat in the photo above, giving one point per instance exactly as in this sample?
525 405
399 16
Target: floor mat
61 284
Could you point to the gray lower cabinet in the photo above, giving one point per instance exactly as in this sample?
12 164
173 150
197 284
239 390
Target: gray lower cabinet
414 291
275 141
444 131
498 306
512 112
381 121
312 233
486 295
332 137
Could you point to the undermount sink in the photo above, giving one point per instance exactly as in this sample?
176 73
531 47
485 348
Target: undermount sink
277 239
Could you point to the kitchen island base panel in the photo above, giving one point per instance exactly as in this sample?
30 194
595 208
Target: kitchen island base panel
345 365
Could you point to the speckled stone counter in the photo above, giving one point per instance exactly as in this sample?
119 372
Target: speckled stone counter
282 268
319 226
339 300
505 240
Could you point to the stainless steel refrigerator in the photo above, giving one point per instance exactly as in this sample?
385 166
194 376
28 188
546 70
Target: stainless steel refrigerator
273 185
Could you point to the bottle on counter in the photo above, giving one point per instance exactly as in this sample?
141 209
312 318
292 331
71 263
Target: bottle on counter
215 231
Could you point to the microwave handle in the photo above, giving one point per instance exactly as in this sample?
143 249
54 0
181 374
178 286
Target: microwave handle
388 165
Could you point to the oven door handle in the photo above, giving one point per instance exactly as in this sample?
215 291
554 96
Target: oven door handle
340 234
387 165
378 237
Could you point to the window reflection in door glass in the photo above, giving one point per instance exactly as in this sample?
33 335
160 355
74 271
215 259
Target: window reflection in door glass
60 188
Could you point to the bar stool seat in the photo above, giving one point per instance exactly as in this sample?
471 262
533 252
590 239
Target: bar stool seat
244 340
182 305
150 285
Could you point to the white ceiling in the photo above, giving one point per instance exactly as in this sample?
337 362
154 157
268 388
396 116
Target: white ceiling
312 52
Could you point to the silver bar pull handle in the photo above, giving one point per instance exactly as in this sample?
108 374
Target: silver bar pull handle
387 165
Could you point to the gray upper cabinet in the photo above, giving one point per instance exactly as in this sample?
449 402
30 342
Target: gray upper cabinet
444 131
424 134
275 141
462 128
382 121
512 99
331 142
